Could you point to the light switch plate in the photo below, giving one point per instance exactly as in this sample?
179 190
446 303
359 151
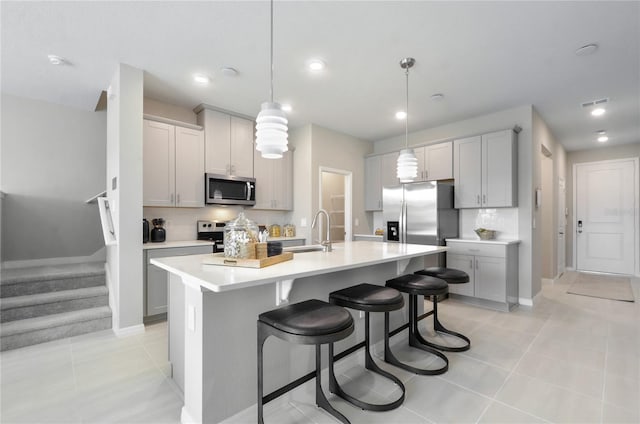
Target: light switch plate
303 222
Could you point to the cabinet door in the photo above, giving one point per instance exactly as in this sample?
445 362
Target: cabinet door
388 170
420 153
217 136
467 171
463 263
372 184
439 161
241 147
189 168
498 169
491 278
283 182
158 164
263 172
157 279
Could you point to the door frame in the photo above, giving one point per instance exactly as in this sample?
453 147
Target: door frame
636 212
348 199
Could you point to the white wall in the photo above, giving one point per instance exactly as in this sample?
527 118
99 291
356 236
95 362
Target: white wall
593 155
53 159
166 110
521 116
124 165
300 138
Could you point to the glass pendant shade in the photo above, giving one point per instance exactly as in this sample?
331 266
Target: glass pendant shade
407 166
271 131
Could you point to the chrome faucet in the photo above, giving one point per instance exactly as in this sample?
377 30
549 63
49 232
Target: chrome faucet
326 244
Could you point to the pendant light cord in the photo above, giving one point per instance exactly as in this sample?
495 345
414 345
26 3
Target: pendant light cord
271 58
406 126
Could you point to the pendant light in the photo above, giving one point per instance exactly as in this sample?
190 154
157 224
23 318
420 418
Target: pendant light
271 123
407 170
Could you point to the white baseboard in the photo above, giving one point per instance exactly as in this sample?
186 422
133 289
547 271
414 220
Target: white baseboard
525 302
129 331
185 417
547 280
98 256
570 268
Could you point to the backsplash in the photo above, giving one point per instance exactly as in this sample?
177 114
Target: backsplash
180 223
503 220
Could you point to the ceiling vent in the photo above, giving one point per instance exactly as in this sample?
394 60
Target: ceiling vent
595 102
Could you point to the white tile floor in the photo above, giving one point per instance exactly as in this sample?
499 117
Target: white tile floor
568 359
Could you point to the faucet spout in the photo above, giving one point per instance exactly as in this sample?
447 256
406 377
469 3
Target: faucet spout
326 242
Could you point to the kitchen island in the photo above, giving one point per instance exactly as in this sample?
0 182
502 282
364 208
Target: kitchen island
213 312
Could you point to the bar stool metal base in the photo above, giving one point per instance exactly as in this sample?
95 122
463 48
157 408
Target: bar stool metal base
415 340
369 364
439 328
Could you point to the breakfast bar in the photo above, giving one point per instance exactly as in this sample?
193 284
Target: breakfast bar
213 311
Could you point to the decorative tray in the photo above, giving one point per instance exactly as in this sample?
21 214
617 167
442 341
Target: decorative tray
219 259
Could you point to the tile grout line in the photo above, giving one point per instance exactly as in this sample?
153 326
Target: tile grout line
513 370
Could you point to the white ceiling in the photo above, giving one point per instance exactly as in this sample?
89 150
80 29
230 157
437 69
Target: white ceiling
483 56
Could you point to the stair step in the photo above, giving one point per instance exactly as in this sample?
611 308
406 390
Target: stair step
36 305
26 281
26 332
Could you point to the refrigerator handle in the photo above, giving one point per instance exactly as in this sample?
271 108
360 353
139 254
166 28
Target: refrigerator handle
403 228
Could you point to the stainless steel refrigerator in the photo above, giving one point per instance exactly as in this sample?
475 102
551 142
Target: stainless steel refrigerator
419 213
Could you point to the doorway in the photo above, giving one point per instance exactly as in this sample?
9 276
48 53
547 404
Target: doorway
546 207
606 216
562 227
335 198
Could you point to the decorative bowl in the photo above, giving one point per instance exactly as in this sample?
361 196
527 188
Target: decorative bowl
485 234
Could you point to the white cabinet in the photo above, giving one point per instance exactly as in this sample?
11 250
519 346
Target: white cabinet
228 143
492 269
379 171
435 162
274 182
485 171
173 165
155 279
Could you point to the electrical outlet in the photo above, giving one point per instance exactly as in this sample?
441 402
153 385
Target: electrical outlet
303 222
357 222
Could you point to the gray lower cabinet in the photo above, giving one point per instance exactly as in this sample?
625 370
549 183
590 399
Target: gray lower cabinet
291 242
492 269
155 279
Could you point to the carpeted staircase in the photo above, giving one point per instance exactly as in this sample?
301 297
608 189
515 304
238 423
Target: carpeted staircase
52 302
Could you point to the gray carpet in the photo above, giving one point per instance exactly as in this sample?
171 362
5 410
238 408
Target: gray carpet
604 286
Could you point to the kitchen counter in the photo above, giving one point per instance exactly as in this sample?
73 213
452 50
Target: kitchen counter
367 237
497 241
213 312
178 243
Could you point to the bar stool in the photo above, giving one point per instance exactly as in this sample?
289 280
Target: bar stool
415 285
367 298
451 276
309 322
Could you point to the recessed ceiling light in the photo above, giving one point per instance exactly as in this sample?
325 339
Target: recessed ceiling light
586 50
56 60
286 107
598 111
437 97
401 114
316 65
228 71
201 79
603 138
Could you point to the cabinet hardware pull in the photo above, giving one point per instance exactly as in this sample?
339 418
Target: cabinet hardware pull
426 174
178 198
484 199
477 264
478 199
470 263
171 197
474 250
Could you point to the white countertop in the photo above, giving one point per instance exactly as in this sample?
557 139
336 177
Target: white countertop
344 256
374 236
503 242
179 243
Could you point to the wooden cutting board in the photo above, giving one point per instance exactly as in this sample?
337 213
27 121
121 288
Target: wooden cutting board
219 259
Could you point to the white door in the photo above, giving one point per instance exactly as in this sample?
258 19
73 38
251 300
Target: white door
562 227
605 214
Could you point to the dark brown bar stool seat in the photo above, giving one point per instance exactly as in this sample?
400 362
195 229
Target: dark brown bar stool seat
415 285
451 276
367 298
309 322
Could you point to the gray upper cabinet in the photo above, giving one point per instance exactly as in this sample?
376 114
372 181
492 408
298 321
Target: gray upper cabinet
173 165
435 161
485 171
380 171
274 182
228 143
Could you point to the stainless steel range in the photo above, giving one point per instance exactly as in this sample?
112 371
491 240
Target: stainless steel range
212 231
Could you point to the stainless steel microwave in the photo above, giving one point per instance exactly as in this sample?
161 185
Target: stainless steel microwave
229 190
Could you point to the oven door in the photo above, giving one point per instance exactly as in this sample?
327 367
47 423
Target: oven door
228 190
